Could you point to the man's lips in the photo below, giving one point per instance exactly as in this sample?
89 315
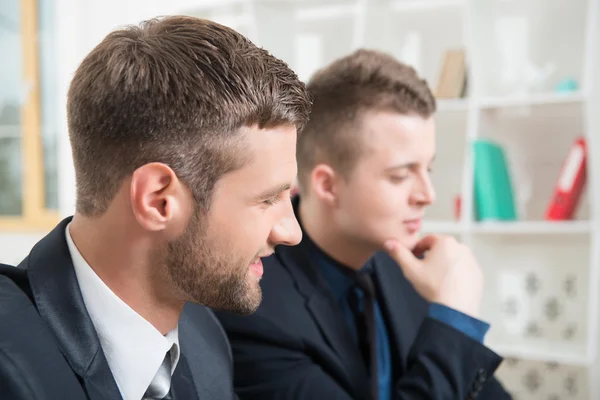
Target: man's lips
413 225
256 266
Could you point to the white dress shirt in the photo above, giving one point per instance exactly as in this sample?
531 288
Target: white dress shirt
133 347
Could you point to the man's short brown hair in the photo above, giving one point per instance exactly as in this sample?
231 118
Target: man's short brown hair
174 90
342 92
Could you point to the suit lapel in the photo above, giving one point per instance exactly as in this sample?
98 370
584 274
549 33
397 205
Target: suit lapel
401 306
205 364
60 304
99 382
326 314
182 386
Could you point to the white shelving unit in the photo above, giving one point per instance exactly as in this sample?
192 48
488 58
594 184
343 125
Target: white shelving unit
542 277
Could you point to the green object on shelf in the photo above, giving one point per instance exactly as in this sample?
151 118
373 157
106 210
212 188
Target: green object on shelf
493 191
567 85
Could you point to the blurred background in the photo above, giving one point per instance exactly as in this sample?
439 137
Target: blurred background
517 170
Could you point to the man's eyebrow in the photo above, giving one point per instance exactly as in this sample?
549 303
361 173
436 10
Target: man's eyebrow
401 166
408 165
274 191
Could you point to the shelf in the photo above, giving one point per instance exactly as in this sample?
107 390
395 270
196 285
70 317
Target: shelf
530 100
443 227
533 227
424 5
557 354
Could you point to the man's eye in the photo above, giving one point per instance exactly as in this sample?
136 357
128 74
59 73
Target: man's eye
397 179
271 201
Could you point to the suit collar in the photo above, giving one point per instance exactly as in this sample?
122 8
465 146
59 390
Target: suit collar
60 304
300 262
306 275
205 361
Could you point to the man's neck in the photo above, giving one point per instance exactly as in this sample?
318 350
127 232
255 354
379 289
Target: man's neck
125 268
318 224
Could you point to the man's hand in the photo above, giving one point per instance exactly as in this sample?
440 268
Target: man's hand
448 274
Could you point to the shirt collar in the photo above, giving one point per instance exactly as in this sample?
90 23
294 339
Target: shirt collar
133 347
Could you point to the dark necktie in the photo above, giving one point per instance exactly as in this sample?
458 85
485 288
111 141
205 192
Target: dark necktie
367 329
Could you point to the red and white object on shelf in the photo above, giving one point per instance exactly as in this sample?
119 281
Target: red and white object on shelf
570 184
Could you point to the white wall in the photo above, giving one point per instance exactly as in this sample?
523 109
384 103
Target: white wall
81 24
14 246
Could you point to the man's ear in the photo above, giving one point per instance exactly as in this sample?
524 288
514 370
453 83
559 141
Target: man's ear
324 181
159 199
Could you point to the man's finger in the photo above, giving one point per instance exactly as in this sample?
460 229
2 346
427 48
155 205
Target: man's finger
403 256
425 244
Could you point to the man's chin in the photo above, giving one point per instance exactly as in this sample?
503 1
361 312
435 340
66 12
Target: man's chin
410 240
246 303
242 300
244 312
243 308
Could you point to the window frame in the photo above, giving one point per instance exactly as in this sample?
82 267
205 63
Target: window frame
35 216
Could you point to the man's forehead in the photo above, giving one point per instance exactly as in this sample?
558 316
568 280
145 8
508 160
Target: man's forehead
398 145
270 151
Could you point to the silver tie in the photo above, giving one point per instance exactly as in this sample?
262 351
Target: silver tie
161 383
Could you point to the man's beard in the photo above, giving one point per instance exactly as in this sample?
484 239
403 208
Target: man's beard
211 273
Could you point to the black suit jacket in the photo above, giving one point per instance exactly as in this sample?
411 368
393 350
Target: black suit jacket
49 348
297 345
